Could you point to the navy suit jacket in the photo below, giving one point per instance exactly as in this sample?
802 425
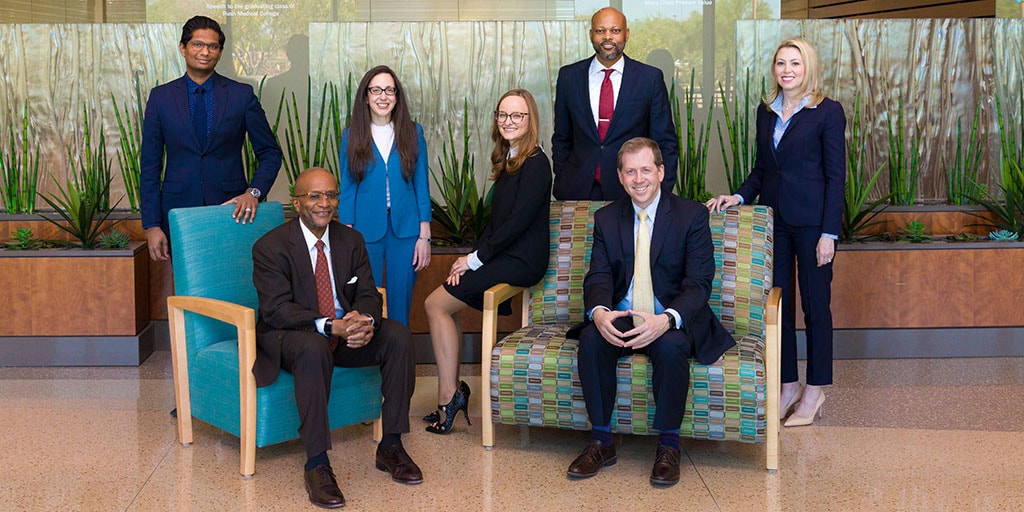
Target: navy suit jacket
804 179
197 176
283 275
641 110
682 267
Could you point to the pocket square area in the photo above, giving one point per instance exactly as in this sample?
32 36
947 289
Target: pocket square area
353 280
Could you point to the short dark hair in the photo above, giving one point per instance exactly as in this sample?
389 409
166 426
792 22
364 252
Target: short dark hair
197 23
635 144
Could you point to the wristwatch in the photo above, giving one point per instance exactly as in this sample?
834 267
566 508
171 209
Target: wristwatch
671 320
255 192
329 328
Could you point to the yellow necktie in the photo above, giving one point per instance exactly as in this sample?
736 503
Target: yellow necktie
643 288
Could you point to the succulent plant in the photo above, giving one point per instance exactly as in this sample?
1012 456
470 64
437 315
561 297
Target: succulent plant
962 237
915 232
24 240
1003 235
115 239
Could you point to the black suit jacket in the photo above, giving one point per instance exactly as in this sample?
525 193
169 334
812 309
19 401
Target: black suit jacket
642 110
283 275
682 267
804 179
192 175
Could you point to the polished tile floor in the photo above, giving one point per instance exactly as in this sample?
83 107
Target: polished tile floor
911 434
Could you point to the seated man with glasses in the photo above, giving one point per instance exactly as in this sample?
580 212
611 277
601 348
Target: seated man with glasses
319 308
199 123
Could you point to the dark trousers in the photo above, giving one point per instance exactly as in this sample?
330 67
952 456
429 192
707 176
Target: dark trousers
670 357
307 356
800 243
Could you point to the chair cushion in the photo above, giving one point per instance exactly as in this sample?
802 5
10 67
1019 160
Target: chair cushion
535 382
213 375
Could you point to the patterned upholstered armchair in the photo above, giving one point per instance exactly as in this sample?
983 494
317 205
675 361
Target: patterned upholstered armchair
533 378
212 321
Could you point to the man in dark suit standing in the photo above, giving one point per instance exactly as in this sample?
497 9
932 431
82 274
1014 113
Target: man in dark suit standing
647 292
600 103
319 308
198 124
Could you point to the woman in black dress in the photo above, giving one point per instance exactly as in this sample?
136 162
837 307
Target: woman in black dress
512 249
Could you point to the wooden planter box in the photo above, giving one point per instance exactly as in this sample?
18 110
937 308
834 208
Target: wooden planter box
69 307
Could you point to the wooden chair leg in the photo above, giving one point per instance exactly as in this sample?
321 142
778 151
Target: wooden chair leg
378 430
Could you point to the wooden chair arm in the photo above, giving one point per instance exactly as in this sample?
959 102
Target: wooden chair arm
773 375
494 296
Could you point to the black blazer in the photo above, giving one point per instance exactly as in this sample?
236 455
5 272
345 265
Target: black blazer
283 275
804 179
682 267
642 110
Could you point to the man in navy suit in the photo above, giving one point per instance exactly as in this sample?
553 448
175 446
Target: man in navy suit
670 327
192 137
601 102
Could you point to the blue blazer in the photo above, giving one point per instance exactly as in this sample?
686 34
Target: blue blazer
197 176
642 110
364 204
804 179
682 267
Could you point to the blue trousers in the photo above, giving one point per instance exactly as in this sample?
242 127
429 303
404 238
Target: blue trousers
391 261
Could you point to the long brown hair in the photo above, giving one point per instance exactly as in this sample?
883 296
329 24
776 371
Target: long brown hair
360 138
525 146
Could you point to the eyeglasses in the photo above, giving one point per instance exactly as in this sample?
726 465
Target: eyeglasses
516 117
198 46
377 91
331 195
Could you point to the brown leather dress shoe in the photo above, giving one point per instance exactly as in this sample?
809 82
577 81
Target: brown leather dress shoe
403 470
594 457
666 466
323 488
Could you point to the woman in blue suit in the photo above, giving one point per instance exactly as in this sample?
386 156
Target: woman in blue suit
385 193
800 171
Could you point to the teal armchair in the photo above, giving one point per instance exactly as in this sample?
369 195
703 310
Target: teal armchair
212 320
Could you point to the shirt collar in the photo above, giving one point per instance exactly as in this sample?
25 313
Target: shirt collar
776 105
311 239
651 208
192 86
597 67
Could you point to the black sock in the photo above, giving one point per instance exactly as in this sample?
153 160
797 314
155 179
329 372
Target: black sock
319 459
669 438
602 435
388 441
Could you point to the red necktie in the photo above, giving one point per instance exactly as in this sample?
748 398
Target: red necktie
324 295
605 109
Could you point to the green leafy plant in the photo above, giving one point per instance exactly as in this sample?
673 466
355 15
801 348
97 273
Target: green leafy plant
129 127
19 169
249 160
80 210
915 232
24 240
1007 214
962 237
739 158
304 147
962 173
91 170
859 211
466 209
1011 135
693 149
904 167
114 239
1003 235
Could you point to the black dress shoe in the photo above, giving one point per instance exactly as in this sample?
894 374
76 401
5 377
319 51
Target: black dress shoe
323 488
594 457
395 461
666 466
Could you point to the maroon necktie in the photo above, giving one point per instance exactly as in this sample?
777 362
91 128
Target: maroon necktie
605 109
324 295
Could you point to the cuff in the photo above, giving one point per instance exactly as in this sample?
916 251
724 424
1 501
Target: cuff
830 235
320 325
473 260
740 198
590 314
675 314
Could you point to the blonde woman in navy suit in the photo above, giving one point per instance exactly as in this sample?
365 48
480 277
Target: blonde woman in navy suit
385 193
800 171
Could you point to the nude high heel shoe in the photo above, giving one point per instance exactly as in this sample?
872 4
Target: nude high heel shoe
799 421
792 402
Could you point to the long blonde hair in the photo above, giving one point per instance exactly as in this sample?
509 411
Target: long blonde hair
526 145
812 72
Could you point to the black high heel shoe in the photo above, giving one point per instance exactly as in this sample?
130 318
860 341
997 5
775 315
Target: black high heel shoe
459 402
433 417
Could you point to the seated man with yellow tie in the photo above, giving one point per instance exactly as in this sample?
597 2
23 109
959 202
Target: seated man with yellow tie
646 292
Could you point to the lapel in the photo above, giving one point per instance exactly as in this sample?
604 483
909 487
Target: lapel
340 264
627 87
583 95
662 224
626 237
299 254
793 122
179 97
